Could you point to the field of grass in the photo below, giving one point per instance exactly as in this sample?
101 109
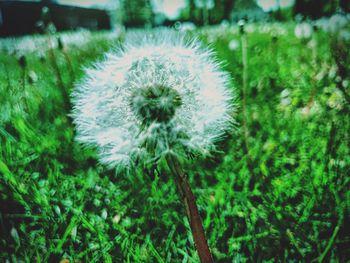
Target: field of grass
278 192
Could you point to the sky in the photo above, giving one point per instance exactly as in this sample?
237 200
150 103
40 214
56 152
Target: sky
171 8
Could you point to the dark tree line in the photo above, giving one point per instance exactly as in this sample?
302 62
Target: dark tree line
137 13
315 9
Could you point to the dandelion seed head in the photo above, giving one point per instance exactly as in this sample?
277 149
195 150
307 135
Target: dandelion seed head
337 22
163 94
303 30
233 44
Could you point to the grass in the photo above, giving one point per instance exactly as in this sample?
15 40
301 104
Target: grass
286 199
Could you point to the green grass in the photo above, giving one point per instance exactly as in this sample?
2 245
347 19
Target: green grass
283 198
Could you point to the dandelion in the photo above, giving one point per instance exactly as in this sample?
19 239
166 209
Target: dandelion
233 44
32 77
225 24
185 26
303 30
285 97
162 98
337 22
147 100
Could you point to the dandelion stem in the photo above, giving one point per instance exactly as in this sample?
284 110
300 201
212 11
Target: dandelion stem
315 71
244 95
9 86
191 209
24 79
68 60
56 69
23 64
205 16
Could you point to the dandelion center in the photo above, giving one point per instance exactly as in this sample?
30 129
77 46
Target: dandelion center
155 104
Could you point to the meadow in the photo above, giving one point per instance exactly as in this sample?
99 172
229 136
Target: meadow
278 191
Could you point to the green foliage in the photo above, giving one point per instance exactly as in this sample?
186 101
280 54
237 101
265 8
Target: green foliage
136 13
283 198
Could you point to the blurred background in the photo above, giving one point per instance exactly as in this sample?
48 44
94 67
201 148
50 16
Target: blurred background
26 17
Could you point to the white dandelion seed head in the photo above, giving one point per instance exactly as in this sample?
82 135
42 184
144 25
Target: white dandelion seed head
163 94
337 22
303 30
233 44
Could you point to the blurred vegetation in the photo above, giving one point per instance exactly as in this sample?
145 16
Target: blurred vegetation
315 9
279 194
138 13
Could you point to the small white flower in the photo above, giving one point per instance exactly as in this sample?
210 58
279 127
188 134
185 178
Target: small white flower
207 4
303 30
233 44
337 22
186 26
337 25
285 93
159 94
285 97
312 44
225 24
265 28
344 34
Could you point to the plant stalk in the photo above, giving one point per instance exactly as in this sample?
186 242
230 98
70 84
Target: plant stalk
54 64
191 209
246 148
